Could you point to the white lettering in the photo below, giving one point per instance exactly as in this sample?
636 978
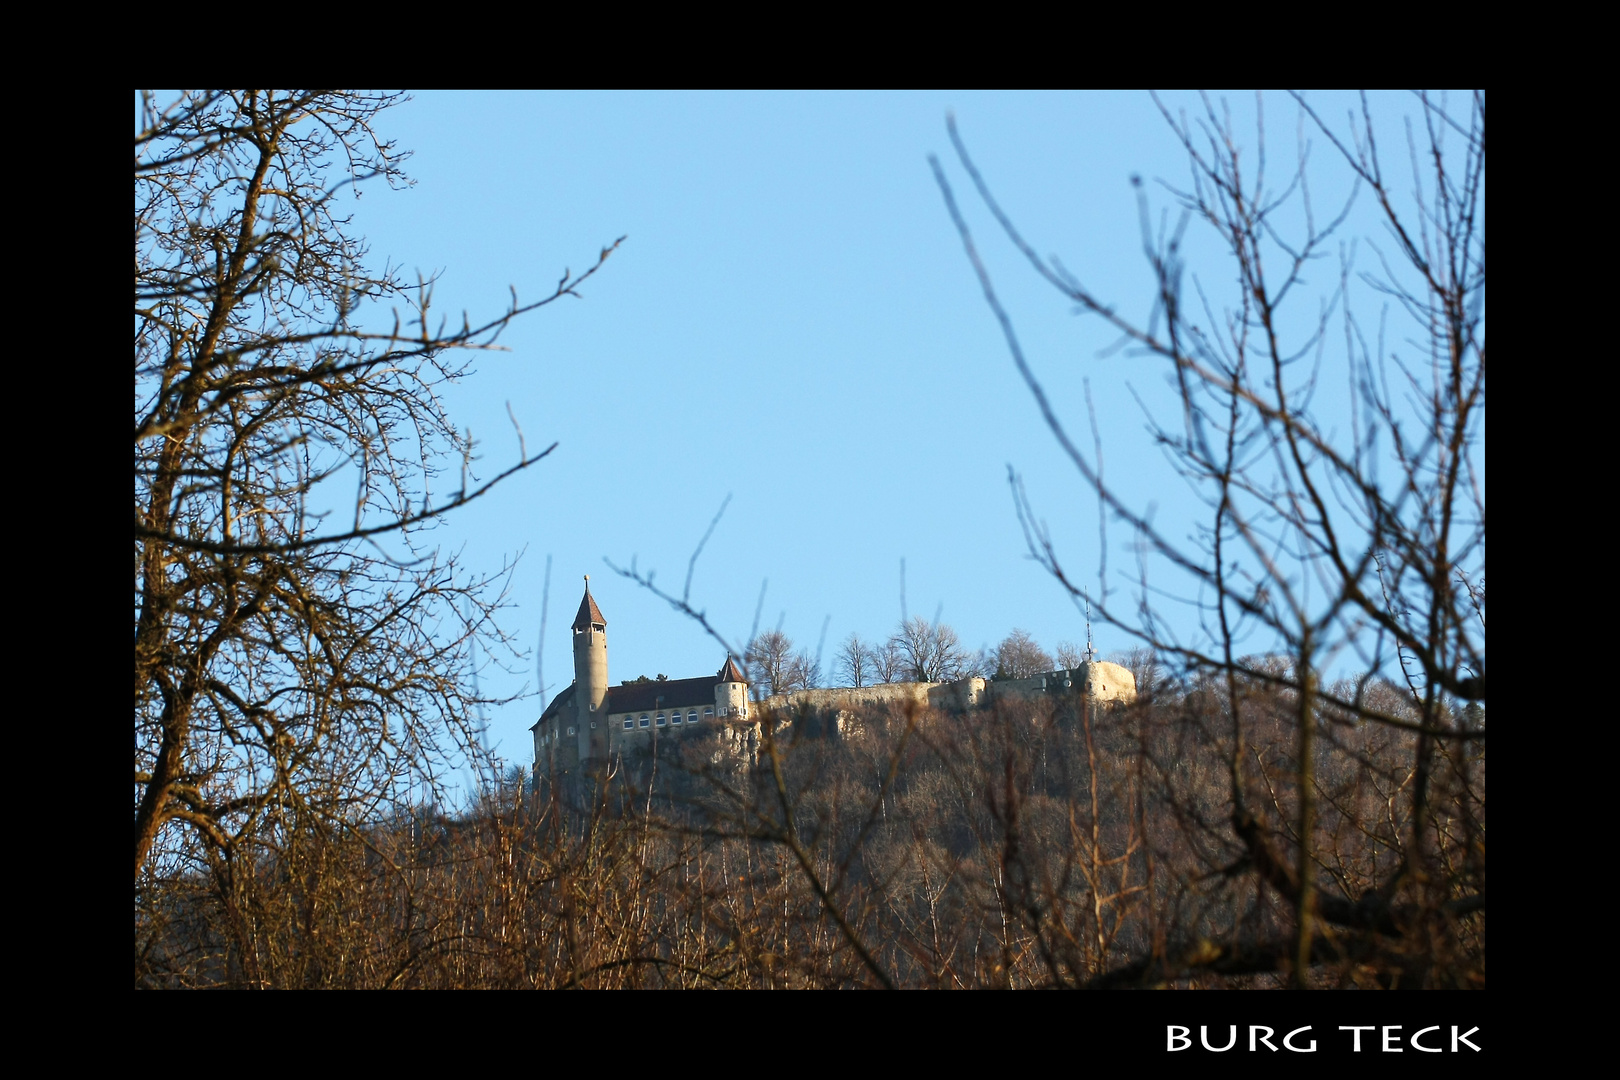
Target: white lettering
1203 1036
1254 1030
1426 1049
1288 1041
1390 1042
1357 1030
1177 1032
1463 1038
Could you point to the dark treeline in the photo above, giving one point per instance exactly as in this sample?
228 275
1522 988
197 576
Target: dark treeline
1039 843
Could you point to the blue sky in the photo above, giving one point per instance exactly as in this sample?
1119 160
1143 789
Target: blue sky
791 322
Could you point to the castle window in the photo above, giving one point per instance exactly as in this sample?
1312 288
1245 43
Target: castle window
675 718
570 731
691 716
708 711
643 719
660 719
628 723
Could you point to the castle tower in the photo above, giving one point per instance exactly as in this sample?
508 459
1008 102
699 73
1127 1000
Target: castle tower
731 692
591 677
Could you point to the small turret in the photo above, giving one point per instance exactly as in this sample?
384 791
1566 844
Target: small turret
731 692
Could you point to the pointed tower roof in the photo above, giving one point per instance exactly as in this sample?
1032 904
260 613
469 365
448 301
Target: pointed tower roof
731 672
588 611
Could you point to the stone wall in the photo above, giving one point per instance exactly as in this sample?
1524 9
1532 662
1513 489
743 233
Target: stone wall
1102 681
854 697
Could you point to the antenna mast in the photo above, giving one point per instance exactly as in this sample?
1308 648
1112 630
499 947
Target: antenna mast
1091 653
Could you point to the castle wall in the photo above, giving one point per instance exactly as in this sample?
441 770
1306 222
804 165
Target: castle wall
555 734
854 697
1097 679
1100 680
1103 681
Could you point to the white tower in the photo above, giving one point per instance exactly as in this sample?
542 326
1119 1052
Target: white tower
591 677
731 692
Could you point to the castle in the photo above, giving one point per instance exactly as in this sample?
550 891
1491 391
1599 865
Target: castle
594 722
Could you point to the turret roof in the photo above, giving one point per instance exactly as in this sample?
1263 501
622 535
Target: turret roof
588 611
731 672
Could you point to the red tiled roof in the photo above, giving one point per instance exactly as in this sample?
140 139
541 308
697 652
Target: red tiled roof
731 672
588 612
669 694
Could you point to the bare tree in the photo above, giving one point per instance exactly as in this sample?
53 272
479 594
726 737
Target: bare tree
1069 655
854 664
1332 537
1018 657
888 662
980 663
931 651
803 672
292 660
1145 668
771 665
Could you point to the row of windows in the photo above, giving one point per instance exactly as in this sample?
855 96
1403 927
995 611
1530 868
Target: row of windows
658 720
631 722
